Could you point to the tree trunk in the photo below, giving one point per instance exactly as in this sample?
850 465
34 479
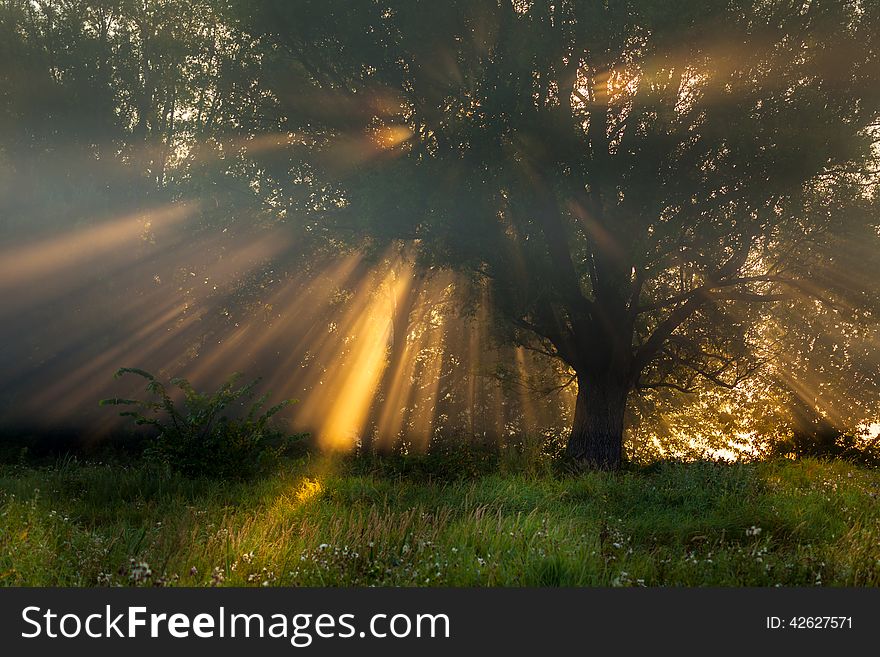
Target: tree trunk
596 438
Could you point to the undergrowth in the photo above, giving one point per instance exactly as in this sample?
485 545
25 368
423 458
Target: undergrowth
375 520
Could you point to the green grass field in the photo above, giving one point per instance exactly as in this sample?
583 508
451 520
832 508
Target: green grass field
320 522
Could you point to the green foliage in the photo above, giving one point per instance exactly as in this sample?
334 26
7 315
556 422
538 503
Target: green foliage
652 194
829 442
197 438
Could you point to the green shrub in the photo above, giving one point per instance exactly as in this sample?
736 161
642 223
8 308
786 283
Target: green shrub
829 443
198 439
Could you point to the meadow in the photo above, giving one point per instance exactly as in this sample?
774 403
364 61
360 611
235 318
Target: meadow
411 521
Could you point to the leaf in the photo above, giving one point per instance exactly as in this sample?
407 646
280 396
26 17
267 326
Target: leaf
133 370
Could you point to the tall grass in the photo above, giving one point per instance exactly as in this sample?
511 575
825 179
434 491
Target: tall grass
383 522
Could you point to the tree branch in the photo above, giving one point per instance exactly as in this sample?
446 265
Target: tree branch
708 288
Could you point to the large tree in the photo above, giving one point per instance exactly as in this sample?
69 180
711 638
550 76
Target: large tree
630 178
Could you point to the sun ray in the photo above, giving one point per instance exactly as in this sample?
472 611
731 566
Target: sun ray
350 390
23 264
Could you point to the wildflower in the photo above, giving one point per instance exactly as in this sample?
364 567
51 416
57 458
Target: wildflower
621 580
753 531
138 572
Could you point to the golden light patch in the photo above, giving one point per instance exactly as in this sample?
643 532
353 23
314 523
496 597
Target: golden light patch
308 489
391 136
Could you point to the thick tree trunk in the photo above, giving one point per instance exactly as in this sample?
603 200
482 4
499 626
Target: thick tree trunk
596 439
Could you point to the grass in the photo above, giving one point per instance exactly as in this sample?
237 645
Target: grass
319 522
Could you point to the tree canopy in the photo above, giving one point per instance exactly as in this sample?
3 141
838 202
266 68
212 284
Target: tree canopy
629 178
662 197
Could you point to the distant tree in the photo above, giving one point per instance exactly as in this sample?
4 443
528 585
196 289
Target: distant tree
119 100
58 123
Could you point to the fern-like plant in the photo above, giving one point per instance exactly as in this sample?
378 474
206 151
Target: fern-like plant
198 439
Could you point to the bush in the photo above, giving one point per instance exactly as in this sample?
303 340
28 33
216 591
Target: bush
829 443
197 439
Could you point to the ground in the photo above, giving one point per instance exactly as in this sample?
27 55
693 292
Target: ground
343 522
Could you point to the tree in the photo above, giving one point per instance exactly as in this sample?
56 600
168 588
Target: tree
636 181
